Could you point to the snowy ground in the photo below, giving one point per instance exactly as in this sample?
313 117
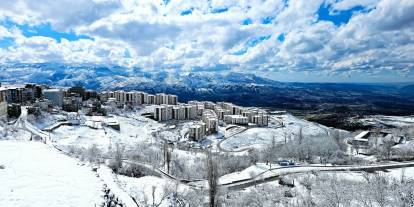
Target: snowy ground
132 131
45 120
13 133
142 189
357 176
397 121
36 175
259 137
245 174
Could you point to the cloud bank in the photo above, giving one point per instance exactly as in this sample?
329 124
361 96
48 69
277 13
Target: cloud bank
263 36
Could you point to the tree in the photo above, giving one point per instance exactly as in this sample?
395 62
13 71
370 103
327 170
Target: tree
94 154
167 157
118 154
212 178
385 149
300 135
271 151
339 139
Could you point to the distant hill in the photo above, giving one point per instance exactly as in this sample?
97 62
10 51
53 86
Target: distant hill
408 90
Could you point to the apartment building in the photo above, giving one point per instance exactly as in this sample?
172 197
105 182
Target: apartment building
197 131
55 96
178 113
163 113
236 119
150 99
172 99
211 120
190 111
209 105
221 113
3 109
260 120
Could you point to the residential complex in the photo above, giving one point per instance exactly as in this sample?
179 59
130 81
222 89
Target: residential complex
210 113
138 98
206 114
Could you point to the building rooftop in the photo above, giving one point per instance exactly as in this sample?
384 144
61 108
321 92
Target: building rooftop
361 135
4 87
53 90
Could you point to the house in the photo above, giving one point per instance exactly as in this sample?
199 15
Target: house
366 140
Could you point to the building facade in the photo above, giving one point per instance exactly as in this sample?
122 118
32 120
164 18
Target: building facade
3 109
55 96
197 131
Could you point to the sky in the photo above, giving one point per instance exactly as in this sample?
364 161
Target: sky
285 40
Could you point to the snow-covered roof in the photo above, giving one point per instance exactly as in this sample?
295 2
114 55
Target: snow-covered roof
7 87
53 90
361 135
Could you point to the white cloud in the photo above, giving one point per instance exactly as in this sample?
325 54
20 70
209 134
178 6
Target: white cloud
158 37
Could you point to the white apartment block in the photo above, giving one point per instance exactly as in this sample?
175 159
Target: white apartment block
211 120
144 97
222 112
236 119
139 98
150 99
3 109
197 131
190 111
260 120
172 99
55 96
163 113
162 98
209 105
199 105
178 113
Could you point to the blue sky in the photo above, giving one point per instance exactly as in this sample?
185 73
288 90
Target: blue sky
311 41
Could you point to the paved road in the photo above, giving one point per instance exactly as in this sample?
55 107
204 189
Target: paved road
275 174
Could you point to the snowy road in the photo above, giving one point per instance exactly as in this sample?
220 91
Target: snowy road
274 174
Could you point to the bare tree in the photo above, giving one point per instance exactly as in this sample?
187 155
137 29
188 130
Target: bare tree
300 135
94 154
385 149
271 152
212 178
118 154
167 157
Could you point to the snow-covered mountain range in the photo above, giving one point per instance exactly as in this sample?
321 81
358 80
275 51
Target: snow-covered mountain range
240 88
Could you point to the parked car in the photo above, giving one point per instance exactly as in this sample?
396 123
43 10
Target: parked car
286 163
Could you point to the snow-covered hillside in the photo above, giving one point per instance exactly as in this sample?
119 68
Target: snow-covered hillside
260 137
35 175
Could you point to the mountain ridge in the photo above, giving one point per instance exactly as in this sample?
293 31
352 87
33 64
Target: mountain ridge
240 88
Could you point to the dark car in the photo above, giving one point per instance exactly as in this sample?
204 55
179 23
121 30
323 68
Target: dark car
286 163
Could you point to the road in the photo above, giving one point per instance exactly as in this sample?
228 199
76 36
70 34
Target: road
275 174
